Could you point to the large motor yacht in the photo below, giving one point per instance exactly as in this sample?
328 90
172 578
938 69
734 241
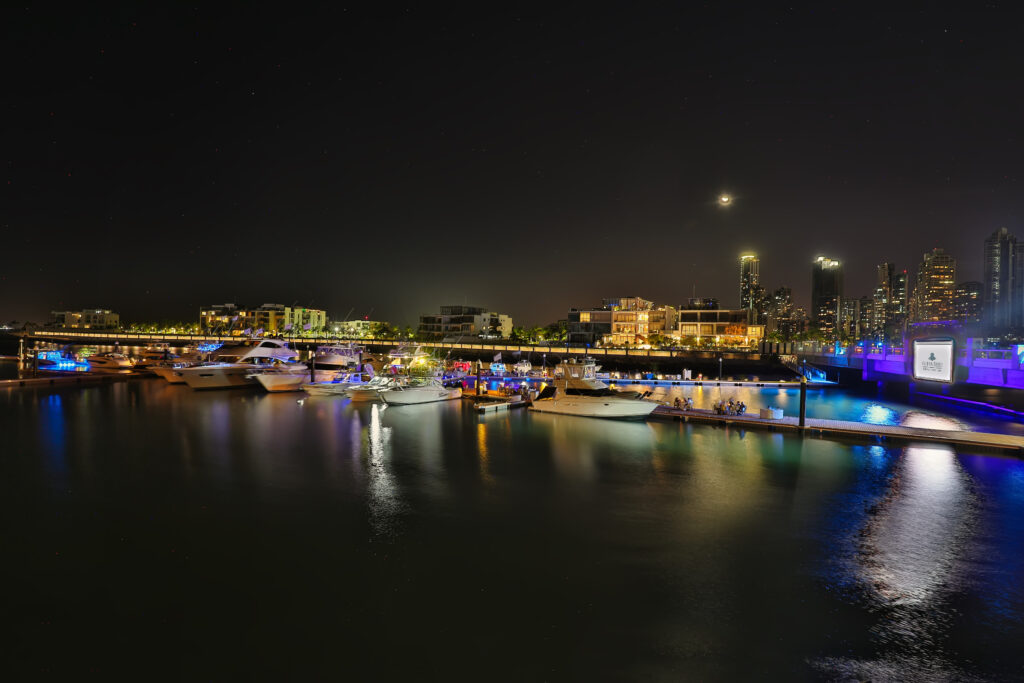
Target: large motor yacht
110 362
337 357
340 385
238 365
591 403
420 391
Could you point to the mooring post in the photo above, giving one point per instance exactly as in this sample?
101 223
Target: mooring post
803 401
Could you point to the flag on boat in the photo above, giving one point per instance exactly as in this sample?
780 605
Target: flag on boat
497 357
307 326
247 330
234 319
288 327
259 331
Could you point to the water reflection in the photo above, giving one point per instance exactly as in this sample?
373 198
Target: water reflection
909 561
384 501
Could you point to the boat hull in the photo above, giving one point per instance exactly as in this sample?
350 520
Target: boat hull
364 393
328 388
218 378
415 395
608 408
172 375
281 381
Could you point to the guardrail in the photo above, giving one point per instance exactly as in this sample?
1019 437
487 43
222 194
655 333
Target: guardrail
568 349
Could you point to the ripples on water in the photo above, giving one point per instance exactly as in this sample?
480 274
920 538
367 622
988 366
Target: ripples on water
518 545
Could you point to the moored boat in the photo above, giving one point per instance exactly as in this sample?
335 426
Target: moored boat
420 391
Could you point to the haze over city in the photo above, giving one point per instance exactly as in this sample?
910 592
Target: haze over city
156 160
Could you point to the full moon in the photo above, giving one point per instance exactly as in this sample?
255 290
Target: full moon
725 200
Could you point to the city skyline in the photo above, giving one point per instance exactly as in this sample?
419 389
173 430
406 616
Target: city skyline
178 158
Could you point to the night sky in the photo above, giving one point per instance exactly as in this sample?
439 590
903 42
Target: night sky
390 162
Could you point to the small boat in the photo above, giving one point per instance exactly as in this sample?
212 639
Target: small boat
337 356
115 362
338 386
283 377
593 403
371 391
420 391
171 371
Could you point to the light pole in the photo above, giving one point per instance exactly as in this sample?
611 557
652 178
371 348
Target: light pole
719 368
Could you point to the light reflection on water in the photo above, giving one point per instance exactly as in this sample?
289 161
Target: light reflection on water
833 404
650 550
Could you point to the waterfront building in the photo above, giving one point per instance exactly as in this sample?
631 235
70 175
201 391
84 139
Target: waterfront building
588 326
457 322
302 319
1003 289
936 280
270 318
355 329
722 328
86 319
967 302
641 326
826 294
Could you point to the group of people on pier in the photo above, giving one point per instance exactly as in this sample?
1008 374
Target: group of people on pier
731 408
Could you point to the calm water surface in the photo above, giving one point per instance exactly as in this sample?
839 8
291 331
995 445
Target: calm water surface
160 533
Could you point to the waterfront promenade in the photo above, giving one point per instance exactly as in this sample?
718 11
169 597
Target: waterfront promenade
847 429
142 339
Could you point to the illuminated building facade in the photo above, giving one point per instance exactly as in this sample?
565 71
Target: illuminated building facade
86 319
936 280
826 294
269 318
1003 289
967 302
750 288
465 321
723 327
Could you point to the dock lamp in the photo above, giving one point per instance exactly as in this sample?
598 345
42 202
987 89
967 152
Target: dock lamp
719 368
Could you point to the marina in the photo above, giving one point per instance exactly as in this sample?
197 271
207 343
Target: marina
690 514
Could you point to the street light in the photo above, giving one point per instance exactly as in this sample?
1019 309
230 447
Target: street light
719 368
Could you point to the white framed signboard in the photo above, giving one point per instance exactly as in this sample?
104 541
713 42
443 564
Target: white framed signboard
934 360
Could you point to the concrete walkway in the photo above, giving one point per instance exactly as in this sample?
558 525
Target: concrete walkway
962 440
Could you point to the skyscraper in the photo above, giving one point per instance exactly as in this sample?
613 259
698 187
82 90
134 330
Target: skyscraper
750 267
900 295
936 280
882 306
967 302
1000 287
826 294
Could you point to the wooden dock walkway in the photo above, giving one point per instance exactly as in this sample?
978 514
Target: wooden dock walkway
71 380
963 440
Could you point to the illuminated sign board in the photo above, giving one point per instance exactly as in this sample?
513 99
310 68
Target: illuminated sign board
934 360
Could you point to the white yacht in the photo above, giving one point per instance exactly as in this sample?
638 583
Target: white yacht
522 368
171 371
420 391
338 386
283 377
337 356
591 403
372 390
115 362
238 365
580 377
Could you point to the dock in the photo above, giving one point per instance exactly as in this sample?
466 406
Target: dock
72 379
845 429
492 403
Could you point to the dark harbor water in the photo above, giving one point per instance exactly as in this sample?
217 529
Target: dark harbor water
153 532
